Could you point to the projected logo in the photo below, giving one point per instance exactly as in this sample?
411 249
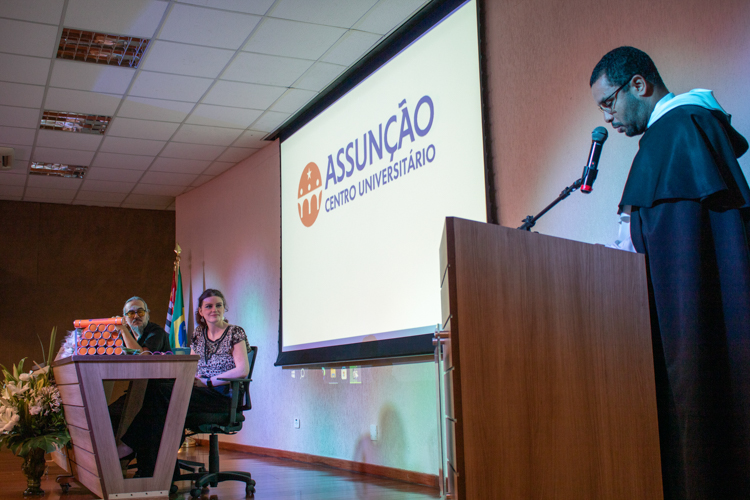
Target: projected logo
309 194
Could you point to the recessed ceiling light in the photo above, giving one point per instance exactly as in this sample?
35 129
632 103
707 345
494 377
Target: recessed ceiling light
58 170
74 122
101 48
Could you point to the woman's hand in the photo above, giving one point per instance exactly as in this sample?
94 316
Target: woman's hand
199 382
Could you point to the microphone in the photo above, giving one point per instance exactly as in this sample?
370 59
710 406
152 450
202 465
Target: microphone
598 136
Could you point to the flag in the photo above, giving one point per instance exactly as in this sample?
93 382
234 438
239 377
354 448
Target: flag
175 325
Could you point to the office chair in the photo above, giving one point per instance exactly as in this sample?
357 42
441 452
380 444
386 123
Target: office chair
214 424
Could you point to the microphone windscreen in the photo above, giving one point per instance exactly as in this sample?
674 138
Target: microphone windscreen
599 134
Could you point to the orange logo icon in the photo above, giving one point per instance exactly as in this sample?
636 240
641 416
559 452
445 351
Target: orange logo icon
309 194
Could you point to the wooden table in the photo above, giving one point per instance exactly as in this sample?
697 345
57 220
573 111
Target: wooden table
93 456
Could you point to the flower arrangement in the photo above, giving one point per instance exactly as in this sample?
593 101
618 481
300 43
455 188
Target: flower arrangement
31 413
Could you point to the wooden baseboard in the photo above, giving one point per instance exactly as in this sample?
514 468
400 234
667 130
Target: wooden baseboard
421 478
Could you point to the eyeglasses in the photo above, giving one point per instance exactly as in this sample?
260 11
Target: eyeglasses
608 104
141 312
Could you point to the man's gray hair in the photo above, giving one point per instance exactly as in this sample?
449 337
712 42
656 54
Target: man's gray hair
131 299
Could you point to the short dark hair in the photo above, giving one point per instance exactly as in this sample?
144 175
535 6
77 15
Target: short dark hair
622 64
209 292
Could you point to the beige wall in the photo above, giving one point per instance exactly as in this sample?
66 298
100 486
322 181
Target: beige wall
229 230
539 54
59 263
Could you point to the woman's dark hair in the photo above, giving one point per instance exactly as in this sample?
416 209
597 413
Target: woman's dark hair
622 64
209 292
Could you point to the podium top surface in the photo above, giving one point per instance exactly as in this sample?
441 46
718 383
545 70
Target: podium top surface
127 358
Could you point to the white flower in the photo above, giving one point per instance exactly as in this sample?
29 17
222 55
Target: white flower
36 409
8 419
14 390
24 377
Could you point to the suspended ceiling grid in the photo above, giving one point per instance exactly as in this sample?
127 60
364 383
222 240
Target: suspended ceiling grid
216 79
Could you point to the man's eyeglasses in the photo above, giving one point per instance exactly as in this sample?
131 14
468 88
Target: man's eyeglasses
141 312
608 104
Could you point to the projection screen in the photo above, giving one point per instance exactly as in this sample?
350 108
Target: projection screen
365 189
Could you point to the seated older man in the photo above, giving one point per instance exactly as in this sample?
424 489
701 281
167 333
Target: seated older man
151 336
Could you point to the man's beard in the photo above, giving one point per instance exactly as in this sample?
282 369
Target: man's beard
138 330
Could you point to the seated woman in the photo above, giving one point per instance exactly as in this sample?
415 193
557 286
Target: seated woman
223 352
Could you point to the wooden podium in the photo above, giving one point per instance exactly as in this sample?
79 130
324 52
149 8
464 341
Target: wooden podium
547 366
93 457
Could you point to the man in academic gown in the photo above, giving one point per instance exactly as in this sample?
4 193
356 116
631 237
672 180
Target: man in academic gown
689 207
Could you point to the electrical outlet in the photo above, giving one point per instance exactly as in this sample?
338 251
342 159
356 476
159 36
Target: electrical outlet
373 432
296 423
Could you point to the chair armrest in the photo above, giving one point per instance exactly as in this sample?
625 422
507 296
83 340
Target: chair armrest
238 403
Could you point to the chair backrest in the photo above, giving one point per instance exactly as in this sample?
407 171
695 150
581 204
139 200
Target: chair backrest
251 355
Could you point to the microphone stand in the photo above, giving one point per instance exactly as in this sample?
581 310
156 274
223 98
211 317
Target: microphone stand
529 221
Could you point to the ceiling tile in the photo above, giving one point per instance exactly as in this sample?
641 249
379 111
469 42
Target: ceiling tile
15 135
293 100
192 151
19 94
236 154
319 76
10 192
258 7
243 95
113 174
67 156
270 121
18 179
388 14
141 129
251 139
158 190
293 39
114 199
107 186
168 179
53 183
126 146
79 101
40 11
147 201
219 167
68 140
201 179
351 48
24 69
28 39
99 78
343 13
212 28
179 165
198 134
183 59
125 161
223 116
265 69
120 17
154 109
164 86
19 117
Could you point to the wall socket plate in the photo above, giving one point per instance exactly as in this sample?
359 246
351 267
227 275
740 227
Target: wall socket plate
296 423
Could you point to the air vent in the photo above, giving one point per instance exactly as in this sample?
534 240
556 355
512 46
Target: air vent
74 122
58 170
101 48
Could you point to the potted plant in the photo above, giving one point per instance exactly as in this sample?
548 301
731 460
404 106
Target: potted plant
32 422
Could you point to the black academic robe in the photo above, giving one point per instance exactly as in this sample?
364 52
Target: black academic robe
691 217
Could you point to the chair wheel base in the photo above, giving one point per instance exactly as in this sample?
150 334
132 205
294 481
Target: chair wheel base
195 492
